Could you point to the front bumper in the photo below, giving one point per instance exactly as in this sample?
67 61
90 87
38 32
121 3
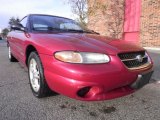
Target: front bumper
142 80
103 81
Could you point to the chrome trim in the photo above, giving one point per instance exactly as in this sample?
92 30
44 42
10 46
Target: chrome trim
141 67
133 59
144 66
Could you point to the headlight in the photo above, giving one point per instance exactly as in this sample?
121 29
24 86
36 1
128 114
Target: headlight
81 57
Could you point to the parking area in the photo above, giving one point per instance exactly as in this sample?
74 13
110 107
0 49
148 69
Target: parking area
18 103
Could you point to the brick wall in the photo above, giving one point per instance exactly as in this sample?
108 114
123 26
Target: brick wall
103 19
106 17
150 23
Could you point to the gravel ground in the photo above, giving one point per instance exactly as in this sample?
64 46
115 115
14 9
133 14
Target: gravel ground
18 103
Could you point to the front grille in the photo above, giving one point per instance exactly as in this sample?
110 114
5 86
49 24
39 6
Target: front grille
134 59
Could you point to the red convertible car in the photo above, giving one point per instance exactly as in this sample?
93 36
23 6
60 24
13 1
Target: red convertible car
64 57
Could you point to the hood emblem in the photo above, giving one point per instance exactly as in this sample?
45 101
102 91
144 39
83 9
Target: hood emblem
139 58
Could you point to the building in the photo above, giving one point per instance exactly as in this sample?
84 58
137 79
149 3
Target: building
109 17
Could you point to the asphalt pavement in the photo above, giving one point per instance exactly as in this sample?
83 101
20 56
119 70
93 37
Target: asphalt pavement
18 103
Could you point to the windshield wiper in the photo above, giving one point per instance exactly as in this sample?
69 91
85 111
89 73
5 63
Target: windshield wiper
67 30
82 31
92 32
47 29
73 30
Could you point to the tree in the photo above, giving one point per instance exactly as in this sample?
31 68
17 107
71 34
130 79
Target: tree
5 32
79 9
13 21
112 12
115 24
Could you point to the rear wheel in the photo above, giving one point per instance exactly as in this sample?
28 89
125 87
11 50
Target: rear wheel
37 80
10 56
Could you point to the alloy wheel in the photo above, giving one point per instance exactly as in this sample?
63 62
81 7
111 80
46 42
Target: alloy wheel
34 75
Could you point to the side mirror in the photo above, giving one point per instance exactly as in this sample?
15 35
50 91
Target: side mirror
18 26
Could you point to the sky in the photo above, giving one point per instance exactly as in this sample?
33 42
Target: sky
20 8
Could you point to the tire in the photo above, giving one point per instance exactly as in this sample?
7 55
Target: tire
37 80
10 56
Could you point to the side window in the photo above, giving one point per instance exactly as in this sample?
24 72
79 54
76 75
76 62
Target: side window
24 21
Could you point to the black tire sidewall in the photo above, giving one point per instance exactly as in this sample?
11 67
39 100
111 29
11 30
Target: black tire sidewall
43 86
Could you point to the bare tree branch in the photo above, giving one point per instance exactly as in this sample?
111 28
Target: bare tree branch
112 11
79 8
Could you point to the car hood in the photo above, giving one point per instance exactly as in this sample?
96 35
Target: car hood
85 43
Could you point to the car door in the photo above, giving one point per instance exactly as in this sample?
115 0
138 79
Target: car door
20 37
12 42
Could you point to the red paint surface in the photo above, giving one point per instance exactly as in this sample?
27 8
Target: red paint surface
132 20
108 81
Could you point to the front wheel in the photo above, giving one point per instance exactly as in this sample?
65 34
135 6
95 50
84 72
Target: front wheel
37 81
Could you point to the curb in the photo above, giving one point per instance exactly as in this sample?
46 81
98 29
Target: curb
152 48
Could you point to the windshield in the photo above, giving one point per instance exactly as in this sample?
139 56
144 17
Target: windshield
51 23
